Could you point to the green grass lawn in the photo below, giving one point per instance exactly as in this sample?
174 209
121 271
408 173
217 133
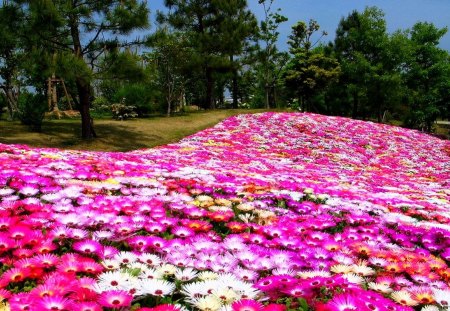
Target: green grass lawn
115 135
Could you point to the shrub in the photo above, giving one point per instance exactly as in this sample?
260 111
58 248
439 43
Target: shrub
142 96
32 108
123 112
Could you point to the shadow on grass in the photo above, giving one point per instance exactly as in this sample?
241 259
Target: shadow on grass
67 134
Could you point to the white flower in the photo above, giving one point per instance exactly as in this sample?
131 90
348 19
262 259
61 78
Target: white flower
354 278
29 191
151 274
156 287
6 191
116 280
225 295
194 290
341 268
404 298
186 274
167 269
442 297
150 259
111 264
208 275
125 257
379 287
313 273
209 303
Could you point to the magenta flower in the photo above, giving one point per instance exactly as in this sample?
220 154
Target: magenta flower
115 299
247 305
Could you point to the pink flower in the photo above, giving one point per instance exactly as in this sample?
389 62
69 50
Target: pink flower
115 299
247 305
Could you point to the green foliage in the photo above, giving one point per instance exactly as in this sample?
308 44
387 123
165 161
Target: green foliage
216 31
309 71
426 77
32 109
141 96
269 60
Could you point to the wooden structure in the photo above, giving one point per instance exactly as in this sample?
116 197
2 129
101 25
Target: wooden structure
52 93
52 97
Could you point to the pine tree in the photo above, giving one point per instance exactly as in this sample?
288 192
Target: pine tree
78 32
217 30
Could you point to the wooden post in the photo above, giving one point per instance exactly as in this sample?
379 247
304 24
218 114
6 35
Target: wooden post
69 99
54 94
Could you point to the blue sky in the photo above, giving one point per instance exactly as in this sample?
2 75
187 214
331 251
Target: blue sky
400 14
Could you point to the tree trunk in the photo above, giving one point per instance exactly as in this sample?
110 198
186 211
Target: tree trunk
209 89
355 106
267 89
235 84
11 96
84 93
83 86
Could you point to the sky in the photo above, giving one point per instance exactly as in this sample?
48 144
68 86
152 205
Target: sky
399 14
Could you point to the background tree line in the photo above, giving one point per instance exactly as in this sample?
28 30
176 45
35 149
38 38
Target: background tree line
215 54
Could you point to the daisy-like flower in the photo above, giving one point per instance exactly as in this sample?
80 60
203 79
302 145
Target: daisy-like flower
91 267
113 279
424 296
208 303
225 294
55 303
15 275
167 269
380 287
340 268
87 306
87 247
125 257
245 274
29 190
115 299
354 278
4 294
442 297
185 274
111 264
363 270
247 305
313 273
430 308
151 274
343 302
156 287
404 298
208 275
194 290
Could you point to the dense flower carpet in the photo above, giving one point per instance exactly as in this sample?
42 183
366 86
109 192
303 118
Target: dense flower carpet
265 212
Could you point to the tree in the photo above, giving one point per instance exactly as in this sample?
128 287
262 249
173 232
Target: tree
271 60
426 75
170 55
216 30
78 32
309 71
11 21
359 44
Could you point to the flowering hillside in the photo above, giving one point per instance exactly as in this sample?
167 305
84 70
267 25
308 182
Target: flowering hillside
265 212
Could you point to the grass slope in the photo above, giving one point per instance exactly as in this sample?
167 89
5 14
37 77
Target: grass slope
115 135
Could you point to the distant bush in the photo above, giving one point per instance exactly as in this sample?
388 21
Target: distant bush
32 108
141 96
123 112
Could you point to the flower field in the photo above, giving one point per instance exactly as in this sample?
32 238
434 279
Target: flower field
265 212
